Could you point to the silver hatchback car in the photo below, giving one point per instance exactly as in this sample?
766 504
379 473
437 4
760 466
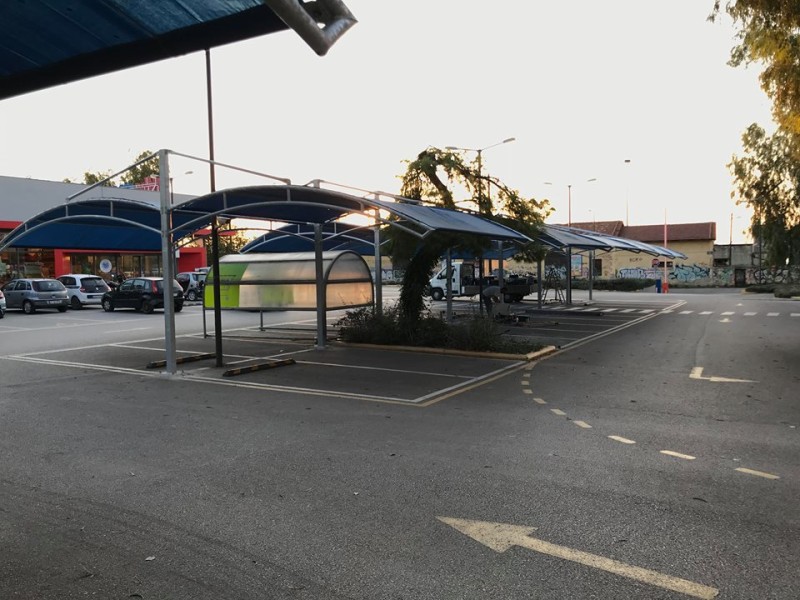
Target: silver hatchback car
32 294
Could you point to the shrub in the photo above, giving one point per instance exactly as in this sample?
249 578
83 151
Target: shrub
761 288
787 290
614 285
364 326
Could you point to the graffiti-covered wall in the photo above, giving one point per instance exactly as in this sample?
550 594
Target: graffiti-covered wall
695 275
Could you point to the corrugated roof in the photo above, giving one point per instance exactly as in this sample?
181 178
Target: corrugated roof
676 232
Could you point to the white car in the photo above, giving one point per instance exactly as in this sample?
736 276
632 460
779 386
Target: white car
84 289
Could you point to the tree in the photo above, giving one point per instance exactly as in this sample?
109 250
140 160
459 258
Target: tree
424 179
136 175
770 34
230 242
132 176
767 180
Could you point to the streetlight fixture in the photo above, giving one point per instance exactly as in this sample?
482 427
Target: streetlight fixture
479 151
569 198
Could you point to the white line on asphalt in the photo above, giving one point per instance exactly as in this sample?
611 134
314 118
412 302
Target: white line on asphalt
527 391
607 310
647 310
627 310
773 314
667 312
706 312
727 313
539 401
750 314
677 454
365 368
757 473
795 314
129 330
623 440
686 312
582 424
558 412
526 375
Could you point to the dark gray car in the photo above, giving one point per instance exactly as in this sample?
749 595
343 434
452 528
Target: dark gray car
33 294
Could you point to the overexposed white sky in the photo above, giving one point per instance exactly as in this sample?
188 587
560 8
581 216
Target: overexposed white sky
581 85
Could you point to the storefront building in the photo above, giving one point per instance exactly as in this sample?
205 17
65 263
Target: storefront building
21 199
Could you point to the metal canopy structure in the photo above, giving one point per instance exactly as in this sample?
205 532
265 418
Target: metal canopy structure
117 224
561 237
52 42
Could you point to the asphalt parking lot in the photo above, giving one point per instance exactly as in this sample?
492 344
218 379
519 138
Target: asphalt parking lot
276 351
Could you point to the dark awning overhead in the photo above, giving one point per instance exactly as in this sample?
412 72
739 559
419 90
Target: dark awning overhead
50 42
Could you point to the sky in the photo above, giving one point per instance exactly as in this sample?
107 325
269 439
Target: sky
582 86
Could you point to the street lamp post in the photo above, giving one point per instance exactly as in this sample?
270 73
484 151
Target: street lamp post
479 152
569 248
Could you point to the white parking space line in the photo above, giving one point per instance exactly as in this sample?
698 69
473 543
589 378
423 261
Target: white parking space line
795 314
558 412
608 310
620 439
686 312
539 401
527 391
525 382
627 310
773 314
757 473
678 455
647 310
706 312
582 424
727 313
750 314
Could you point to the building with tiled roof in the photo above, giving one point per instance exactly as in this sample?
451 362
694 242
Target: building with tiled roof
695 240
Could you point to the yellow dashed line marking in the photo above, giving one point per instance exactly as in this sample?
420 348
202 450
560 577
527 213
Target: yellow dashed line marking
623 440
560 413
757 473
582 424
677 454
539 401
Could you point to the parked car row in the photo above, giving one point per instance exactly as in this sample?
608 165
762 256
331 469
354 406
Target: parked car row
76 291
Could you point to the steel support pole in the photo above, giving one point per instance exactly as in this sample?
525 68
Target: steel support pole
591 272
449 287
167 258
322 324
378 271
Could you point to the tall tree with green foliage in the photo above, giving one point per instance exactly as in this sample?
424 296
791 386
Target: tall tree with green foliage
430 177
767 180
767 175
769 34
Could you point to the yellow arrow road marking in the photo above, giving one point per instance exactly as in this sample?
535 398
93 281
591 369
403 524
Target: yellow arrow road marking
500 537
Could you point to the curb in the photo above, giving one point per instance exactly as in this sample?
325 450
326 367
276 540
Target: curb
547 350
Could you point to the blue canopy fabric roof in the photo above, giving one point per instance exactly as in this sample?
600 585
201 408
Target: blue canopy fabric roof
51 42
300 238
121 224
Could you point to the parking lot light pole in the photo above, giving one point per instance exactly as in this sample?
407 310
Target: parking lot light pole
479 152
